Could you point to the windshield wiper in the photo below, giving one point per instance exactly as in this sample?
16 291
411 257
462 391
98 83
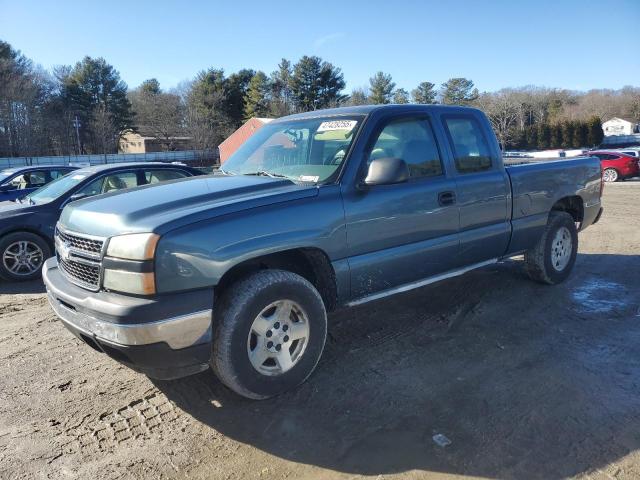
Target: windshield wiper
264 173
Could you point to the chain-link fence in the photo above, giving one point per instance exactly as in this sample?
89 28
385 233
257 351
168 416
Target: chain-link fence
191 157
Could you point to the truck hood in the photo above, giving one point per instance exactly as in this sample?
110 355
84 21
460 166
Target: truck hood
163 207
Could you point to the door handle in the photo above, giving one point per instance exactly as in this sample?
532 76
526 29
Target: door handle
446 198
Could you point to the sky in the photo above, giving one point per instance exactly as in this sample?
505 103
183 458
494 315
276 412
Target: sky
572 44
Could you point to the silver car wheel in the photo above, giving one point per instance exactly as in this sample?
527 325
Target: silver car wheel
610 175
22 258
278 338
561 249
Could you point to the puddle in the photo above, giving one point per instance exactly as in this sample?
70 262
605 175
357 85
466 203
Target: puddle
599 296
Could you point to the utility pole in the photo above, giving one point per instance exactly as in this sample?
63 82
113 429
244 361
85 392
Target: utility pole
76 125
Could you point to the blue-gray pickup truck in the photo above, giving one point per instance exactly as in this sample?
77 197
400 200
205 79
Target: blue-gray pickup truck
236 271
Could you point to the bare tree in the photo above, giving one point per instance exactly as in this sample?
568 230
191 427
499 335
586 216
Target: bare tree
159 115
105 131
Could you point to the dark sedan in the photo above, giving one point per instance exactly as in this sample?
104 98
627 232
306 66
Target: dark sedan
27 224
17 182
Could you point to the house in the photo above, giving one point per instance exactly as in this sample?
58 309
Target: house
237 138
144 141
619 126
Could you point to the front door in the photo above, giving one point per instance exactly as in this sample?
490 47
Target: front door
398 234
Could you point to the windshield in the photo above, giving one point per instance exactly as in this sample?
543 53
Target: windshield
58 187
309 150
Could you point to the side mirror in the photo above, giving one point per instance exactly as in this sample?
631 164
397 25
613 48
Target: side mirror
387 171
7 188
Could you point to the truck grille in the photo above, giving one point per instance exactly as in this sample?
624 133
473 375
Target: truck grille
82 274
79 258
89 245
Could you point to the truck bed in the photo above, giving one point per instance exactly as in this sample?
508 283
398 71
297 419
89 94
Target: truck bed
536 186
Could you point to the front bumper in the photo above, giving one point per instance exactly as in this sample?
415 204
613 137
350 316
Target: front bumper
165 336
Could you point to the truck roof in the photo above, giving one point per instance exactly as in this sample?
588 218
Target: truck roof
367 109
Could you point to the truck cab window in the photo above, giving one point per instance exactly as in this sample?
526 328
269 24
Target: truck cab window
411 140
470 147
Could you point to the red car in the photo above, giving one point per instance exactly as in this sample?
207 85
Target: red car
617 166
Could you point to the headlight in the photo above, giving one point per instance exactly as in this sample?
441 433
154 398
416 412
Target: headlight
138 283
134 246
128 264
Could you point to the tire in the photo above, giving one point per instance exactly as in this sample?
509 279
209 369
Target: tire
243 309
552 260
14 266
610 175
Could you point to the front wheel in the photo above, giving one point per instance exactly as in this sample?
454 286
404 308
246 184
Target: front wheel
610 175
22 255
269 331
553 257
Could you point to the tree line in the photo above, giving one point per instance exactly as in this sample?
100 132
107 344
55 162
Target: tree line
567 134
85 108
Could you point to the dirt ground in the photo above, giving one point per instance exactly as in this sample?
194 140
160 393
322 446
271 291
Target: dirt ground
525 380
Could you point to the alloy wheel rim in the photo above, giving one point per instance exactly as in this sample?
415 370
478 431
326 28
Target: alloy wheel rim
22 258
610 175
561 249
278 338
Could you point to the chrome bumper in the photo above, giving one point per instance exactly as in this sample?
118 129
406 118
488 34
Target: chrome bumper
124 320
177 332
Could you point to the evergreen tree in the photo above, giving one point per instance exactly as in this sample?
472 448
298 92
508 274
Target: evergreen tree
544 136
235 90
459 91
208 119
94 91
316 84
281 97
401 96
555 138
358 97
381 88
150 87
424 93
568 133
581 134
518 139
532 137
595 133
256 102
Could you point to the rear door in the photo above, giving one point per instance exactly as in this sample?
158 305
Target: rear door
401 233
482 186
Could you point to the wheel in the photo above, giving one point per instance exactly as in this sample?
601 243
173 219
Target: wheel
610 175
23 255
269 331
552 259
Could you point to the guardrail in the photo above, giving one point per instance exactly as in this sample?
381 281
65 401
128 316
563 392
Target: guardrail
200 157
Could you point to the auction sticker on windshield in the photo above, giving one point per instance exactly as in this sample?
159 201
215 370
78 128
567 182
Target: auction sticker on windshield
337 125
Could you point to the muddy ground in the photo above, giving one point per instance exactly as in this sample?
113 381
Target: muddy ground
526 380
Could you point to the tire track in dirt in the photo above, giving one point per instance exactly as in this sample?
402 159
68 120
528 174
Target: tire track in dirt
141 418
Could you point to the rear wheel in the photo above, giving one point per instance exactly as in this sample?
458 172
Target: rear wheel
610 175
552 259
22 255
269 332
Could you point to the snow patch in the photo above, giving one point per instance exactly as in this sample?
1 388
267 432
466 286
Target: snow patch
599 296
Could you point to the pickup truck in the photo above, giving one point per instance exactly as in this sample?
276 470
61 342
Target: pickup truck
236 271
